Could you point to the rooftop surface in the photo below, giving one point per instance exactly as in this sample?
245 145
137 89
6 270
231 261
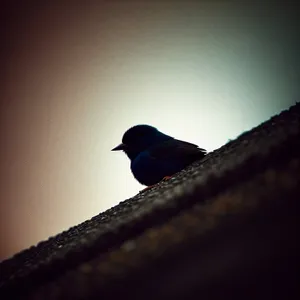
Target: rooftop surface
226 225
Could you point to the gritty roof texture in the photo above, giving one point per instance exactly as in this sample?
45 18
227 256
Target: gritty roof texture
223 227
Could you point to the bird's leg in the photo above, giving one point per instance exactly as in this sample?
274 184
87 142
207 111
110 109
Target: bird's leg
151 186
147 188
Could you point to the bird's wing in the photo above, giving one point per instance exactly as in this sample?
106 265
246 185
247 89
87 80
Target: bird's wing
176 149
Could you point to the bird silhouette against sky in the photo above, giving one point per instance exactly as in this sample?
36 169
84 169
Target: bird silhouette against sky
156 156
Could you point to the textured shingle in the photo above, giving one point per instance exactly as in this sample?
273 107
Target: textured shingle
226 224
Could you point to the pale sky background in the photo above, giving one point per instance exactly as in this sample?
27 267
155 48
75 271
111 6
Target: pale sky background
76 76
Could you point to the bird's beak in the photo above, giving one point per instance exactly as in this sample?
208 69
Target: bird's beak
119 147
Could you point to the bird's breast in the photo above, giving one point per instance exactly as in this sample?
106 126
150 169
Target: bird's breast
149 171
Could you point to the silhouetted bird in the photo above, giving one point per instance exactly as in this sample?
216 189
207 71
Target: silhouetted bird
156 156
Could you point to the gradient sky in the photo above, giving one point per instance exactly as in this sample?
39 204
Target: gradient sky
76 76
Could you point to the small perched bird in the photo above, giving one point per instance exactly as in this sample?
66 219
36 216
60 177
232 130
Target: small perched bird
156 156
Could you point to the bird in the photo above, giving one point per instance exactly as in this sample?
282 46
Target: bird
155 156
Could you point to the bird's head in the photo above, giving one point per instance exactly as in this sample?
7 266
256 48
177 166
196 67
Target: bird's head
139 138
